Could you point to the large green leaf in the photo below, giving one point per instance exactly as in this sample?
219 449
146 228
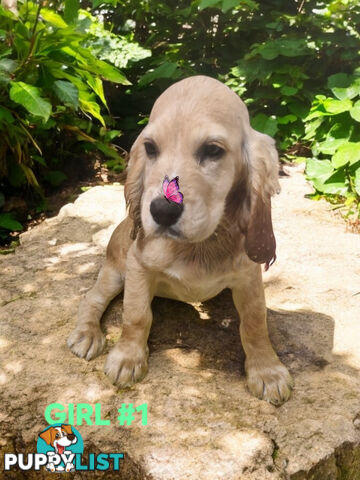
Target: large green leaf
349 92
30 97
320 170
288 91
229 4
97 86
67 93
340 80
89 105
53 18
166 70
89 62
338 135
7 222
347 154
337 184
337 106
208 3
264 124
71 10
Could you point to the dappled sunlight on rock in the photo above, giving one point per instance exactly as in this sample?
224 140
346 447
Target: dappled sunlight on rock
245 444
13 367
67 248
94 393
184 358
85 267
4 343
3 378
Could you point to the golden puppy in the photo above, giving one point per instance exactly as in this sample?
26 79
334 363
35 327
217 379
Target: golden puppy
191 250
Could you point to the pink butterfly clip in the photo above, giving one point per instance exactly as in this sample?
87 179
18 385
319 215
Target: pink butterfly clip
171 190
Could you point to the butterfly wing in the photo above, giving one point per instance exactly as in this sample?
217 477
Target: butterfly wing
172 191
165 184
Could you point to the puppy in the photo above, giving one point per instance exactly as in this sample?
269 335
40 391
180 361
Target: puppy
59 438
214 233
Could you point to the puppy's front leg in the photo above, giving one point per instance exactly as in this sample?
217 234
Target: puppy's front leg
267 377
127 362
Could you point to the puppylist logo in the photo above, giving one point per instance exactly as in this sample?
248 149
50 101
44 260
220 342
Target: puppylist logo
59 449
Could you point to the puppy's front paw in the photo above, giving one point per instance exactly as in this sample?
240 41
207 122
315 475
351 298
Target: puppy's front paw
269 381
86 342
127 363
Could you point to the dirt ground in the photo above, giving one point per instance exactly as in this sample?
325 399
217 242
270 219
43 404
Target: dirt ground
202 421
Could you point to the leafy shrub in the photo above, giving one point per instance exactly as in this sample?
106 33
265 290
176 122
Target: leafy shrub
52 101
333 127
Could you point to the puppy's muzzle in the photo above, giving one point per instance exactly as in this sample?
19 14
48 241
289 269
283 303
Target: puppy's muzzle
165 213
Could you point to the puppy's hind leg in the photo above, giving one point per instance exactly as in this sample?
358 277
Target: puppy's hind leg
87 340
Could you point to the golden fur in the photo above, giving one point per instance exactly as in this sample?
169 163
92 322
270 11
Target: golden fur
222 236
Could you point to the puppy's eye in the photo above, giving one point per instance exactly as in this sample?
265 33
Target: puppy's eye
210 151
57 435
151 150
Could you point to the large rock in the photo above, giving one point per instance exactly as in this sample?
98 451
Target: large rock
202 421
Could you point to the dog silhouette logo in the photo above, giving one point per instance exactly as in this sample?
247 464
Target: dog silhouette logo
60 442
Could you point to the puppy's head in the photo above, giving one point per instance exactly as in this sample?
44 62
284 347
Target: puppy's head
199 131
59 437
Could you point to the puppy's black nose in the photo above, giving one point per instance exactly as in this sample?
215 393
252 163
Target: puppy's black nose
165 213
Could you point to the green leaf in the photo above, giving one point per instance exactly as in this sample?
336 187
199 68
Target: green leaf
30 98
89 62
166 70
337 106
286 119
89 105
55 177
338 135
71 10
208 3
349 92
67 93
357 181
229 4
282 46
340 80
337 184
5 115
319 170
298 108
288 91
53 18
7 222
264 124
355 111
97 86
346 154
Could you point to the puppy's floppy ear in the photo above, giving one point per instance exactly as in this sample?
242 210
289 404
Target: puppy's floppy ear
262 160
47 435
67 428
134 184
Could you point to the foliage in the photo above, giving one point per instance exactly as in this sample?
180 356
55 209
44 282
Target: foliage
277 56
333 126
293 63
52 101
